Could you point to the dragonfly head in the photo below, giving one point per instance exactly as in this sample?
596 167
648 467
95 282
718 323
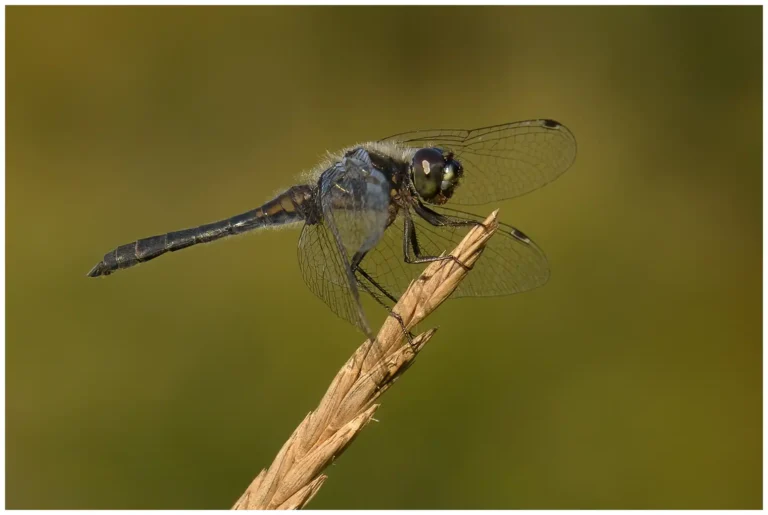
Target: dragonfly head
435 176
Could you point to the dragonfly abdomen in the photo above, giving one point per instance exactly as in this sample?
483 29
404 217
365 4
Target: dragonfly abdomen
294 205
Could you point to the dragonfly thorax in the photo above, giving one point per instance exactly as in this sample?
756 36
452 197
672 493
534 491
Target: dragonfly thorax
434 175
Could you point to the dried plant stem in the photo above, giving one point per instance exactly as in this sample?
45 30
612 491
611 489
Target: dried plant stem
296 473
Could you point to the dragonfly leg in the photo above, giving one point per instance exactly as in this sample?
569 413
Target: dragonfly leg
356 259
411 242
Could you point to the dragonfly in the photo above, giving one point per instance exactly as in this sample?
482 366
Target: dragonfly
373 212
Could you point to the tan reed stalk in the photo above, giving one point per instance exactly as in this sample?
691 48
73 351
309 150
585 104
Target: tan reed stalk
295 475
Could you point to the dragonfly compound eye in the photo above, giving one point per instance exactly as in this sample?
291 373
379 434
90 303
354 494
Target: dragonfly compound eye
427 169
451 175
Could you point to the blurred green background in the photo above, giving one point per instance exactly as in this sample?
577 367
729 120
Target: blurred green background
632 380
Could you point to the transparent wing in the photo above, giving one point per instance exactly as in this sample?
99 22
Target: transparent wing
354 199
511 263
325 273
502 161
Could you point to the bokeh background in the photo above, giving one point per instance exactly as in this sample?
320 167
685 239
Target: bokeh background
632 380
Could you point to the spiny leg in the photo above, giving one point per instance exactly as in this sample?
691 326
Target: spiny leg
357 258
411 242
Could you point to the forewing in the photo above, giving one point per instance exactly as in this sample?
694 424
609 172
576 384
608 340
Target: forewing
511 263
502 161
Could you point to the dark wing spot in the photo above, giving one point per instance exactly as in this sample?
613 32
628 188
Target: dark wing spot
550 124
520 235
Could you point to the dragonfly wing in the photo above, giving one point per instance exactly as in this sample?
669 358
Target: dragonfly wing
511 262
354 199
501 161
